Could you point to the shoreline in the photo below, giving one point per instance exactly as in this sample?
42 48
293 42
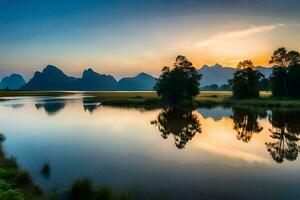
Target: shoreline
16 183
150 98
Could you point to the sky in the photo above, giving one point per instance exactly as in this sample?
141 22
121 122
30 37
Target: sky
125 37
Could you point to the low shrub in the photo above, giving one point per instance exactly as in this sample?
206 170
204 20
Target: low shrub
104 193
82 190
23 178
11 195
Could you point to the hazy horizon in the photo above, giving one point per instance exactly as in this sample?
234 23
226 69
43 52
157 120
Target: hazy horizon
123 38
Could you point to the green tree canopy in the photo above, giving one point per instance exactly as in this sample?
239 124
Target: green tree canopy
245 82
286 73
179 85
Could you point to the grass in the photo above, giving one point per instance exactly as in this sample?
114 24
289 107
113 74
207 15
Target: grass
16 184
82 189
150 99
129 99
18 93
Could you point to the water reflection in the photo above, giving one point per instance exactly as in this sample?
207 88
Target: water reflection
17 106
245 122
182 124
89 105
117 148
285 132
51 107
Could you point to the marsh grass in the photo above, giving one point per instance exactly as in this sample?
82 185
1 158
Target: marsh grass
82 189
150 98
16 184
17 93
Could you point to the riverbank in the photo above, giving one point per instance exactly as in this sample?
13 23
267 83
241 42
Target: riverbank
206 98
150 99
15 183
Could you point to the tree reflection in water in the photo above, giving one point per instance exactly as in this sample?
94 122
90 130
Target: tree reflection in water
285 132
182 124
245 122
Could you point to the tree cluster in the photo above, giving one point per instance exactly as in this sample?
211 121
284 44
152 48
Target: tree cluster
285 76
216 87
245 82
179 85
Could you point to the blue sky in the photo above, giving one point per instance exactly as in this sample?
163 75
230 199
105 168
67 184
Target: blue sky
124 37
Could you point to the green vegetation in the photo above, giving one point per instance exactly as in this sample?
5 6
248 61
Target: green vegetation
151 100
245 82
178 86
285 77
17 93
216 87
128 99
16 184
82 189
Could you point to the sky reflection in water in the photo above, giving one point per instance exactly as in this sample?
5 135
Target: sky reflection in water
231 153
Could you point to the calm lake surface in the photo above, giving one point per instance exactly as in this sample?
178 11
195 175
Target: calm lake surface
216 153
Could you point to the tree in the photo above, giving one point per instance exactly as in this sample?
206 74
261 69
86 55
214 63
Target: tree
279 57
284 66
245 64
212 87
225 87
293 80
264 84
278 81
245 83
279 73
179 85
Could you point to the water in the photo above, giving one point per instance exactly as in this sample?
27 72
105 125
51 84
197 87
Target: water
217 153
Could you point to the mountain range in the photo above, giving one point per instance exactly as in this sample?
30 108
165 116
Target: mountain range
52 78
217 74
14 82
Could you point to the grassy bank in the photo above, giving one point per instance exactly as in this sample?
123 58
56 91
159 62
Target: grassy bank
16 184
150 99
19 93
206 98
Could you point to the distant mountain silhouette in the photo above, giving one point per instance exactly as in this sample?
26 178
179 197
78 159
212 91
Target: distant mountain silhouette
267 71
51 78
93 81
141 81
13 82
217 74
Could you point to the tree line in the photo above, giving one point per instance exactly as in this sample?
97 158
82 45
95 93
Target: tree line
283 81
179 85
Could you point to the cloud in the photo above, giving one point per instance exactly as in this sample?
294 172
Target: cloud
149 54
237 33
